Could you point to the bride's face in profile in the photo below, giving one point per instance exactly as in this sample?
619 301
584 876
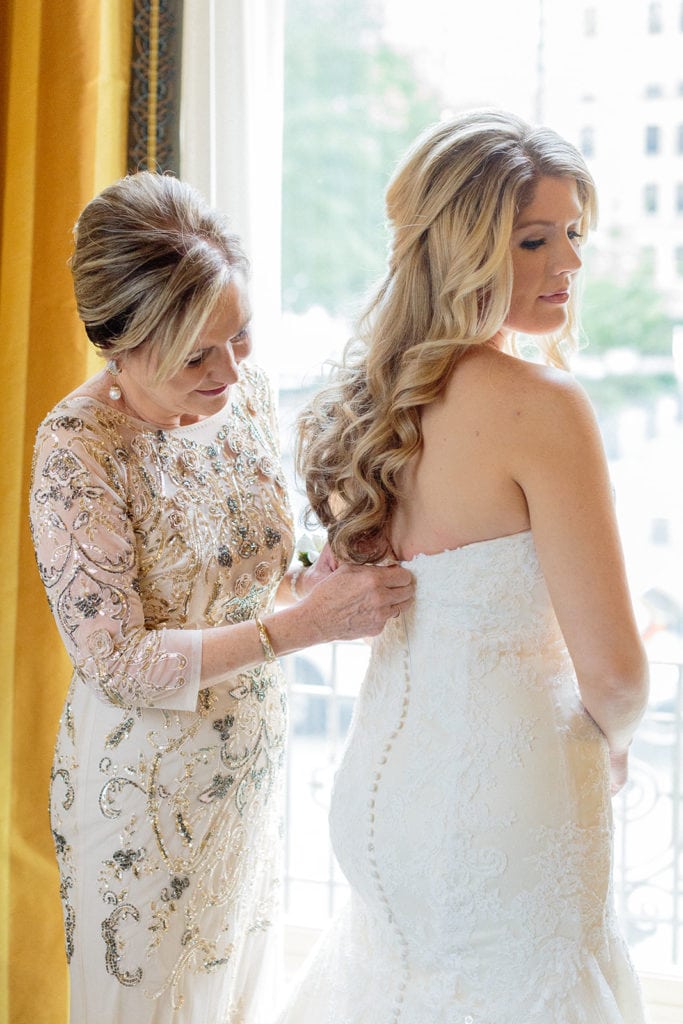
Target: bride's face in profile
545 246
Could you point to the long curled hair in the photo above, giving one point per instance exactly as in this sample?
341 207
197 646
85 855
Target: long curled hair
150 263
451 206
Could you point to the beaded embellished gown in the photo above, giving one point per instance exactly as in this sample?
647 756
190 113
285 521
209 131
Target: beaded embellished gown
166 796
471 816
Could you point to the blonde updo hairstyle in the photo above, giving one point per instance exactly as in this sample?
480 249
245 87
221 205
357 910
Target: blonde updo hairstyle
451 206
150 263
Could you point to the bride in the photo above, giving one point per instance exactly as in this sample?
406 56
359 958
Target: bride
471 812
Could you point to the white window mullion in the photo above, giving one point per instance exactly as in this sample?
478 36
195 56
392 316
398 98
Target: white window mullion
231 136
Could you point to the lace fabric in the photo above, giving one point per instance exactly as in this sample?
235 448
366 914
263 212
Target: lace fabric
471 815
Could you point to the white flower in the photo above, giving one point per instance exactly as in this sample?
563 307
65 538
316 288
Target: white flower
308 547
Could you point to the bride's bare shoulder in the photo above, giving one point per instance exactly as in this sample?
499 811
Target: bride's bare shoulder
487 364
510 399
487 375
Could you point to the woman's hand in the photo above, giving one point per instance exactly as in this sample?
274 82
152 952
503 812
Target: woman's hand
348 602
355 601
324 565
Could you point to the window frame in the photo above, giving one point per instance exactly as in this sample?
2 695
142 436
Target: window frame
203 111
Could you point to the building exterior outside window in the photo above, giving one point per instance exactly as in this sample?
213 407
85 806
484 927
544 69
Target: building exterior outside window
587 141
654 18
678 258
650 198
648 260
652 138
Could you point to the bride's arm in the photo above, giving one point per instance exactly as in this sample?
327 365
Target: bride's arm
558 460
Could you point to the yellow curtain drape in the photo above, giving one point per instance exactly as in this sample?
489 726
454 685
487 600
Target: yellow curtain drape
64 77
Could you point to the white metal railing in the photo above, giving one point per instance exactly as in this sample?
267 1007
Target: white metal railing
648 875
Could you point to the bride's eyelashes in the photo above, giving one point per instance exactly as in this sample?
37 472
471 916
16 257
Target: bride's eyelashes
535 243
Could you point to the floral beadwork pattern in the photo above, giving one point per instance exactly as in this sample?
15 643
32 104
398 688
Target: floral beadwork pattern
472 818
141 533
143 538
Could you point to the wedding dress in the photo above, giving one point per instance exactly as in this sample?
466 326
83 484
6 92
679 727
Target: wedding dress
471 815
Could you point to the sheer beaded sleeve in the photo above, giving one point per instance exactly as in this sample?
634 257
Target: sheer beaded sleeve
88 557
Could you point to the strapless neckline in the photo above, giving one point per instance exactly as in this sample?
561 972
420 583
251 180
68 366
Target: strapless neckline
463 548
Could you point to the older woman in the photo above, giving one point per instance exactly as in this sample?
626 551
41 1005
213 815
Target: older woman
471 811
163 536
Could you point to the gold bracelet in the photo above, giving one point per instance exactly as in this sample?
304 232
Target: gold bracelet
294 580
266 643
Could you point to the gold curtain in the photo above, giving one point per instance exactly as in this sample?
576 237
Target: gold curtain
64 77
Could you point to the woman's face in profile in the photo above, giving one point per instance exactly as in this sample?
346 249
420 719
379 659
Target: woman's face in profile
201 387
545 246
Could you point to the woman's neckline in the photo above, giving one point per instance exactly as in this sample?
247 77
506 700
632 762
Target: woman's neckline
152 428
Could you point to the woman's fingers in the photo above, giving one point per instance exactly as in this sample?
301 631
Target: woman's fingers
356 600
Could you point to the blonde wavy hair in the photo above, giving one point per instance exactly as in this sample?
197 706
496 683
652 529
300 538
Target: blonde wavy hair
151 260
451 206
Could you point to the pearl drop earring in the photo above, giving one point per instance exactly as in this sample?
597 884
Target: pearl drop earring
114 390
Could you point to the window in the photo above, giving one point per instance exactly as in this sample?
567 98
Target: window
654 18
678 260
333 104
350 112
587 141
660 531
648 259
650 198
652 134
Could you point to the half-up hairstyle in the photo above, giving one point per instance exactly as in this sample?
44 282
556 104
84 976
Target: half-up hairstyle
451 207
150 263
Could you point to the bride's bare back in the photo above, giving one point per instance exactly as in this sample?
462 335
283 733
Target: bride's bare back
461 488
512 446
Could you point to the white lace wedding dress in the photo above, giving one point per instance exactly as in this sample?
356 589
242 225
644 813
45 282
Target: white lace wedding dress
471 815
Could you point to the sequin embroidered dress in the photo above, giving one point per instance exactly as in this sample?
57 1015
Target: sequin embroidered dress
166 798
471 816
